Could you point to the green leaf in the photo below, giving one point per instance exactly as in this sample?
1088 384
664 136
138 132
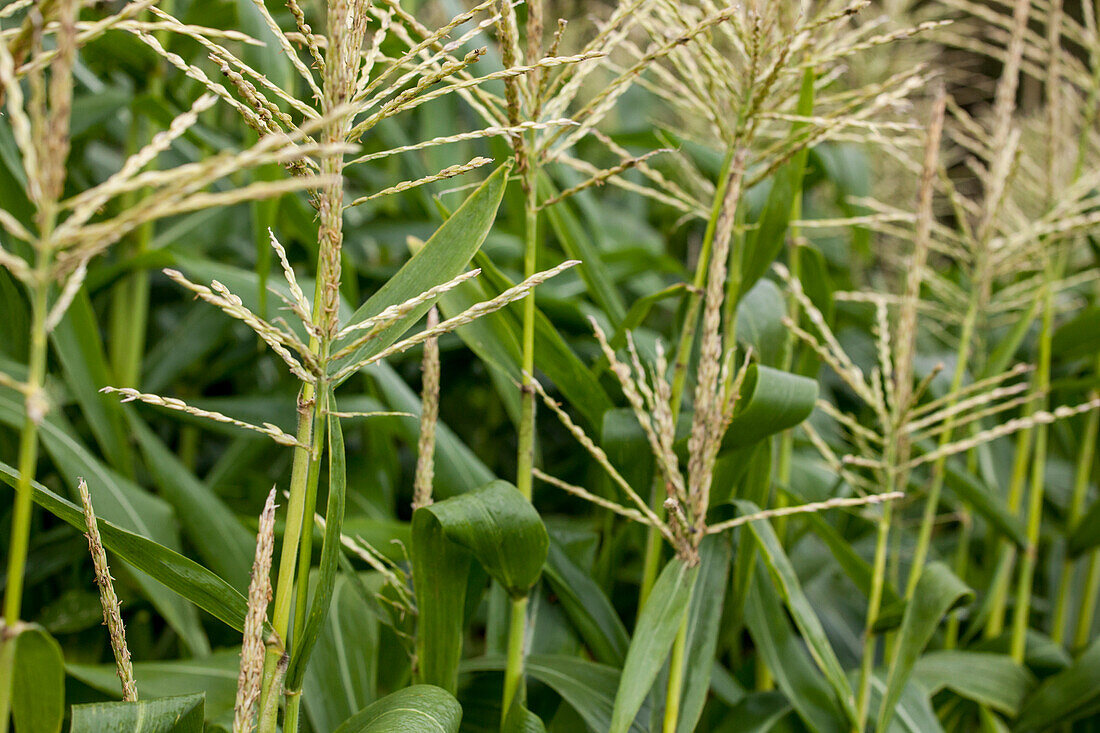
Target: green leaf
658 623
786 583
760 317
80 351
857 569
574 240
120 501
330 550
553 355
1065 696
764 243
984 501
176 572
704 621
221 540
786 657
771 401
415 709
341 678
443 257
457 468
937 592
1086 535
38 684
1078 337
214 675
494 524
499 527
182 714
992 680
588 687
587 608
758 712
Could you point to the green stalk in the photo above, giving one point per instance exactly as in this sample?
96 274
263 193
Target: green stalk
652 561
1038 469
280 614
1006 556
21 514
525 456
874 604
1077 509
513 672
1088 602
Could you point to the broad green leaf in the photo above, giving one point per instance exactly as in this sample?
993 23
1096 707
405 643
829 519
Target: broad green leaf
637 314
992 680
214 675
553 355
658 624
330 551
574 240
764 243
496 526
786 583
1065 696
758 712
176 572
771 401
857 569
416 709
341 678
521 720
937 592
493 338
221 540
443 257
760 317
1086 535
704 621
194 336
182 714
38 684
499 527
1078 337
80 351
588 687
587 608
457 468
990 506
913 711
786 657
122 502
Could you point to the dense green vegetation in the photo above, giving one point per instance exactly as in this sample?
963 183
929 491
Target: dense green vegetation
441 366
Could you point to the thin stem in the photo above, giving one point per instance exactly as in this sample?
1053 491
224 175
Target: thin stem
513 672
874 604
280 614
21 515
1088 602
525 456
1006 554
1038 469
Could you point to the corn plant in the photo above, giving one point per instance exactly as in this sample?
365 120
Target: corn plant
519 366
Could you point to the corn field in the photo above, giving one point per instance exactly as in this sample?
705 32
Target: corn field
512 365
